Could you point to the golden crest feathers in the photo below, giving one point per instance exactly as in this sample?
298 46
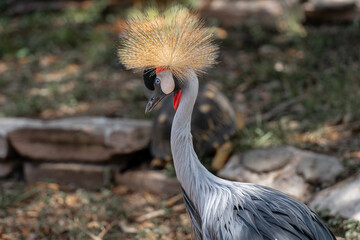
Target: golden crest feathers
175 39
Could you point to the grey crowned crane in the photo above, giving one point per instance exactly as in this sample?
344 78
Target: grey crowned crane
178 46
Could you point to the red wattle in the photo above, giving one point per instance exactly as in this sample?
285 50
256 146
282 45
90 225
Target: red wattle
177 98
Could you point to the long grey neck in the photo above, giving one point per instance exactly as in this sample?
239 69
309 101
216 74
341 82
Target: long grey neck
190 172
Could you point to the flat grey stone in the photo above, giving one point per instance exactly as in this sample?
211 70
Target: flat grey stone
267 159
10 124
278 168
283 179
333 11
265 13
322 5
341 199
319 168
83 139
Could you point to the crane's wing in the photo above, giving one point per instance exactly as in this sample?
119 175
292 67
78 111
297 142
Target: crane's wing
270 214
196 223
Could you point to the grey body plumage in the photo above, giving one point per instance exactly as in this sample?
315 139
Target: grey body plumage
226 210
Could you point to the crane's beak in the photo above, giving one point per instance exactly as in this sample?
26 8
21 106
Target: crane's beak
154 100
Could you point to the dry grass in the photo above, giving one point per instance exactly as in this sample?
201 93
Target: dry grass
44 211
72 69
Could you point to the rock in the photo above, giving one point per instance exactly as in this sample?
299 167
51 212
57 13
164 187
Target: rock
148 181
322 5
319 169
284 179
267 159
6 168
269 50
333 11
7 125
277 168
266 13
341 199
72 175
4 146
82 139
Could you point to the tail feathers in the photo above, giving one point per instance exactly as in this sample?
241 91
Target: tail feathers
196 223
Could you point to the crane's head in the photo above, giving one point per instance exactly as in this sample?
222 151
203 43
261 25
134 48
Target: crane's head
167 45
162 83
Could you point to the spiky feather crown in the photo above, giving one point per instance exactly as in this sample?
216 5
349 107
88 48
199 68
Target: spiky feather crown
175 39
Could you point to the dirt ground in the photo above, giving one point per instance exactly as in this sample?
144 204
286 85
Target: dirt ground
287 89
44 211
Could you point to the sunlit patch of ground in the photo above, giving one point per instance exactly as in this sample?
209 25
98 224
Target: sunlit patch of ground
44 211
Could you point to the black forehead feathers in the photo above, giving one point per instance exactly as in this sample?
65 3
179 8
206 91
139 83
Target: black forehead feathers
149 78
177 83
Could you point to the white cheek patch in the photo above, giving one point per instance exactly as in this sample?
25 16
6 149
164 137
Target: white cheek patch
167 81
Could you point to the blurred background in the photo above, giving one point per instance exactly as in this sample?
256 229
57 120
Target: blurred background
79 159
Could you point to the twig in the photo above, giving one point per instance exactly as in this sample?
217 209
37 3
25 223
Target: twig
125 228
159 213
92 236
151 215
171 201
101 234
276 110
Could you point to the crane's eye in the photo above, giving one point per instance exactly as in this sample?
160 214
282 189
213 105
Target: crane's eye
157 81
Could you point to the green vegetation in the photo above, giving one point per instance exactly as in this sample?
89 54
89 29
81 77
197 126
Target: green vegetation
319 72
70 59
350 229
63 63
